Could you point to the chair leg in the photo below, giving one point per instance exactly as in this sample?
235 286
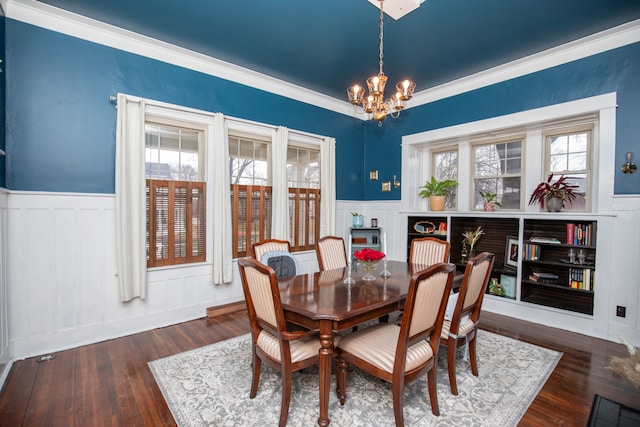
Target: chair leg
397 388
287 379
256 375
472 356
341 379
433 394
451 365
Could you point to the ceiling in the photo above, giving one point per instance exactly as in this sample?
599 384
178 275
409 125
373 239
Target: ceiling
329 45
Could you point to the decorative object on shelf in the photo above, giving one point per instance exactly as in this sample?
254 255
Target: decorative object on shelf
374 222
512 252
554 194
464 253
628 167
436 191
424 227
471 238
496 288
508 283
490 201
358 219
368 261
374 104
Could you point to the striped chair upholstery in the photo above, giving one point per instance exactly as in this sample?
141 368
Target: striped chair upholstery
331 253
269 245
429 251
402 353
272 342
461 329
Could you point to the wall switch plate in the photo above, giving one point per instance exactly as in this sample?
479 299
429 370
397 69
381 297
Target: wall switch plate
621 311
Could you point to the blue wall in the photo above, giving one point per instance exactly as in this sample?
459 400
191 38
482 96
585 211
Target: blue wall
613 71
61 124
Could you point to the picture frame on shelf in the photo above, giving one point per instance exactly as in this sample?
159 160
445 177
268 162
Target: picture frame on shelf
508 283
512 252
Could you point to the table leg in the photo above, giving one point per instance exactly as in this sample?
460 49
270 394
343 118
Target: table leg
326 356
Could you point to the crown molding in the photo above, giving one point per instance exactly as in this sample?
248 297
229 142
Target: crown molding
62 21
54 19
603 41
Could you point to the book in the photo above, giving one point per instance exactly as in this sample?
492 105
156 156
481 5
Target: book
543 275
570 233
552 240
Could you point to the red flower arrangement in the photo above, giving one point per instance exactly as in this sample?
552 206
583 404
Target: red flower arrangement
368 255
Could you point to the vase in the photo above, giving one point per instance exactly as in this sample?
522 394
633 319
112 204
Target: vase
554 204
369 270
358 221
488 207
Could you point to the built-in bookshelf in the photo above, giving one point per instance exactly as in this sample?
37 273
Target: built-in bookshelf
547 262
558 264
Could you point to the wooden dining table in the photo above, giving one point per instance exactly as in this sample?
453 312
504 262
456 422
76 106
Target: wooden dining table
323 301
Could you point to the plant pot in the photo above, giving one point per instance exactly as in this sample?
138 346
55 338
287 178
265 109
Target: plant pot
358 221
436 203
554 204
489 207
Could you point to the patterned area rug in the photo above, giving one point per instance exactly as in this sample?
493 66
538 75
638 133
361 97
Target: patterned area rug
209 386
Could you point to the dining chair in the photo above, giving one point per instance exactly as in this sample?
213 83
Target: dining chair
273 341
331 253
269 245
429 250
461 329
399 354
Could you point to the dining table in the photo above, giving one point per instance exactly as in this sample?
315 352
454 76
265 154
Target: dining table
326 302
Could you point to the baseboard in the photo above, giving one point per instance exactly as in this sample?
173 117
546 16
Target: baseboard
225 309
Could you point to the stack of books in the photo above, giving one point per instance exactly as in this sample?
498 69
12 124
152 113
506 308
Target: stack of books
541 277
581 278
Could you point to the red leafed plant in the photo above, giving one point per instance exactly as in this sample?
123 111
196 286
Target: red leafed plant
560 189
368 255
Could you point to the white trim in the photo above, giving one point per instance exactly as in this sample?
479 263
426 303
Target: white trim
62 21
54 19
603 41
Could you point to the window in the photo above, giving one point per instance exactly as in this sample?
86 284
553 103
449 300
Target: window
445 166
568 154
251 192
303 177
497 169
175 194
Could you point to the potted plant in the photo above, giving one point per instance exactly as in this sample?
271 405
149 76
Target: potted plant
554 194
490 201
436 191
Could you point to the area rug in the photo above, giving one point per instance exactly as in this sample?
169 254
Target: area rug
209 386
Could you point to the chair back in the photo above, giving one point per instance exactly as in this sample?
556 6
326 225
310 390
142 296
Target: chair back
429 251
425 306
472 290
283 263
331 253
269 245
261 292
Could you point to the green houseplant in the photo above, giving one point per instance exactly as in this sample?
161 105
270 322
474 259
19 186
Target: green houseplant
490 200
436 191
554 194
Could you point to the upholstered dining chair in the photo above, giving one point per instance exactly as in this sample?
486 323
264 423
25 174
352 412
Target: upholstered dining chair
429 250
402 353
461 329
269 245
331 253
272 340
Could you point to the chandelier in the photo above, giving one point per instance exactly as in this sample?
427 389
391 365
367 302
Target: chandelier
374 104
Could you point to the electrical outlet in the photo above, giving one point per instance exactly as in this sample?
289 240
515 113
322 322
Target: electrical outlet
621 311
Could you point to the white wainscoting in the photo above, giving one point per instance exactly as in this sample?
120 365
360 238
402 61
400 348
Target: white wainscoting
5 338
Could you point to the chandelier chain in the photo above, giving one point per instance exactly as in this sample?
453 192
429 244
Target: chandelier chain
381 34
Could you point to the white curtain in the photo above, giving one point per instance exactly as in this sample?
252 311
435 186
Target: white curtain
328 187
130 198
280 185
221 203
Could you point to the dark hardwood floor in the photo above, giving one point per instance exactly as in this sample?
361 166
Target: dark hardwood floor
110 384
